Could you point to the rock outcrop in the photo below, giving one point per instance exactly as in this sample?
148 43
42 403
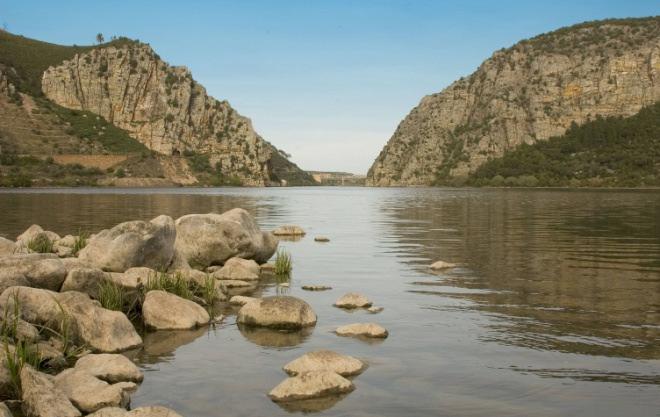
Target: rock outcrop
532 91
165 109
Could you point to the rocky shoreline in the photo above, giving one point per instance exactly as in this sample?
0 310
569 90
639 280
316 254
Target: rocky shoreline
71 305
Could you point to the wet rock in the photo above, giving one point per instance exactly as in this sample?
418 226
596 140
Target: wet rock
321 239
311 385
165 311
132 244
279 312
40 270
89 393
289 230
233 283
316 287
375 310
241 300
7 247
100 329
353 300
238 269
41 398
209 239
325 360
440 265
371 330
85 280
110 367
267 268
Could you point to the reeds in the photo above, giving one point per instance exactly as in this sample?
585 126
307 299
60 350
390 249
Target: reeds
40 244
80 242
283 263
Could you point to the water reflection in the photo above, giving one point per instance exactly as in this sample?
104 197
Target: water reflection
312 406
160 345
275 338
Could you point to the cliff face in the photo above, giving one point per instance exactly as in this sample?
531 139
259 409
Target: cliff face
529 92
164 108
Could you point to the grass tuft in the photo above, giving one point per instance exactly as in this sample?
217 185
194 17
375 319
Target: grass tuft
40 244
172 283
111 295
80 242
23 353
283 263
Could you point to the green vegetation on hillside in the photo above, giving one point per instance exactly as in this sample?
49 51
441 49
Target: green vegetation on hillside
22 171
30 58
608 152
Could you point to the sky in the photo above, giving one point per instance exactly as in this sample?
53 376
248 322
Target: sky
326 81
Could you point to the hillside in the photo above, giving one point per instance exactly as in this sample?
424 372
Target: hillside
65 108
527 93
613 151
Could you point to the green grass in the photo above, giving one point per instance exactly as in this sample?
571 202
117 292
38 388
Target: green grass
24 354
207 292
111 295
80 242
610 152
172 283
40 244
283 263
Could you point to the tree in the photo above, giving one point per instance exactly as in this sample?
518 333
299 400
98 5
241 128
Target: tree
99 38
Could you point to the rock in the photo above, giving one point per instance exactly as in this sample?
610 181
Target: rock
35 232
36 305
241 300
89 393
371 330
289 230
321 239
440 265
24 331
135 277
86 280
7 247
353 300
311 385
278 312
316 287
100 329
110 367
10 277
132 244
64 246
375 310
233 283
73 263
165 311
41 398
109 412
52 353
238 269
153 411
325 360
267 268
210 239
41 270
192 275
4 411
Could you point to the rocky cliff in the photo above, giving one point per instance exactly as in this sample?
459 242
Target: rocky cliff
529 92
165 109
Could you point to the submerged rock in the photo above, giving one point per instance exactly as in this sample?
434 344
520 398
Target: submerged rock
89 393
164 311
316 287
209 239
278 312
131 244
289 230
41 398
241 300
110 367
371 330
311 385
375 310
440 265
321 239
325 360
353 300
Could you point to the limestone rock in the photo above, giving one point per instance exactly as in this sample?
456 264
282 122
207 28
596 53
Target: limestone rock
35 305
241 300
208 239
238 269
109 412
289 230
40 270
311 385
153 411
316 287
109 367
325 360
89 393
86 280
353 300
440 265
7 247
279 312
64 246
41 398
132 244
370 330
34 232
164 311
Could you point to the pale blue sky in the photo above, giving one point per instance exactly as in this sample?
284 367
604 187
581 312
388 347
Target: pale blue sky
327 81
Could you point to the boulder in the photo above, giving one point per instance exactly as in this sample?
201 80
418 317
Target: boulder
131 244
267 268
316 287
311 385
34 232
238 269
86 280
51 353
110 367
192 276
325 360
164 311
152 411
203 240
4 411
133 278
6 382
241 300
41 270
99 329
289 230
278 312
11 277
233 283
73 263
353 300
35 305
7 247
41 398
89 393
64 246
109 412
371 330
440 265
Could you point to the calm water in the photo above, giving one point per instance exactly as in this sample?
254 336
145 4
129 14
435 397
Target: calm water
554 311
